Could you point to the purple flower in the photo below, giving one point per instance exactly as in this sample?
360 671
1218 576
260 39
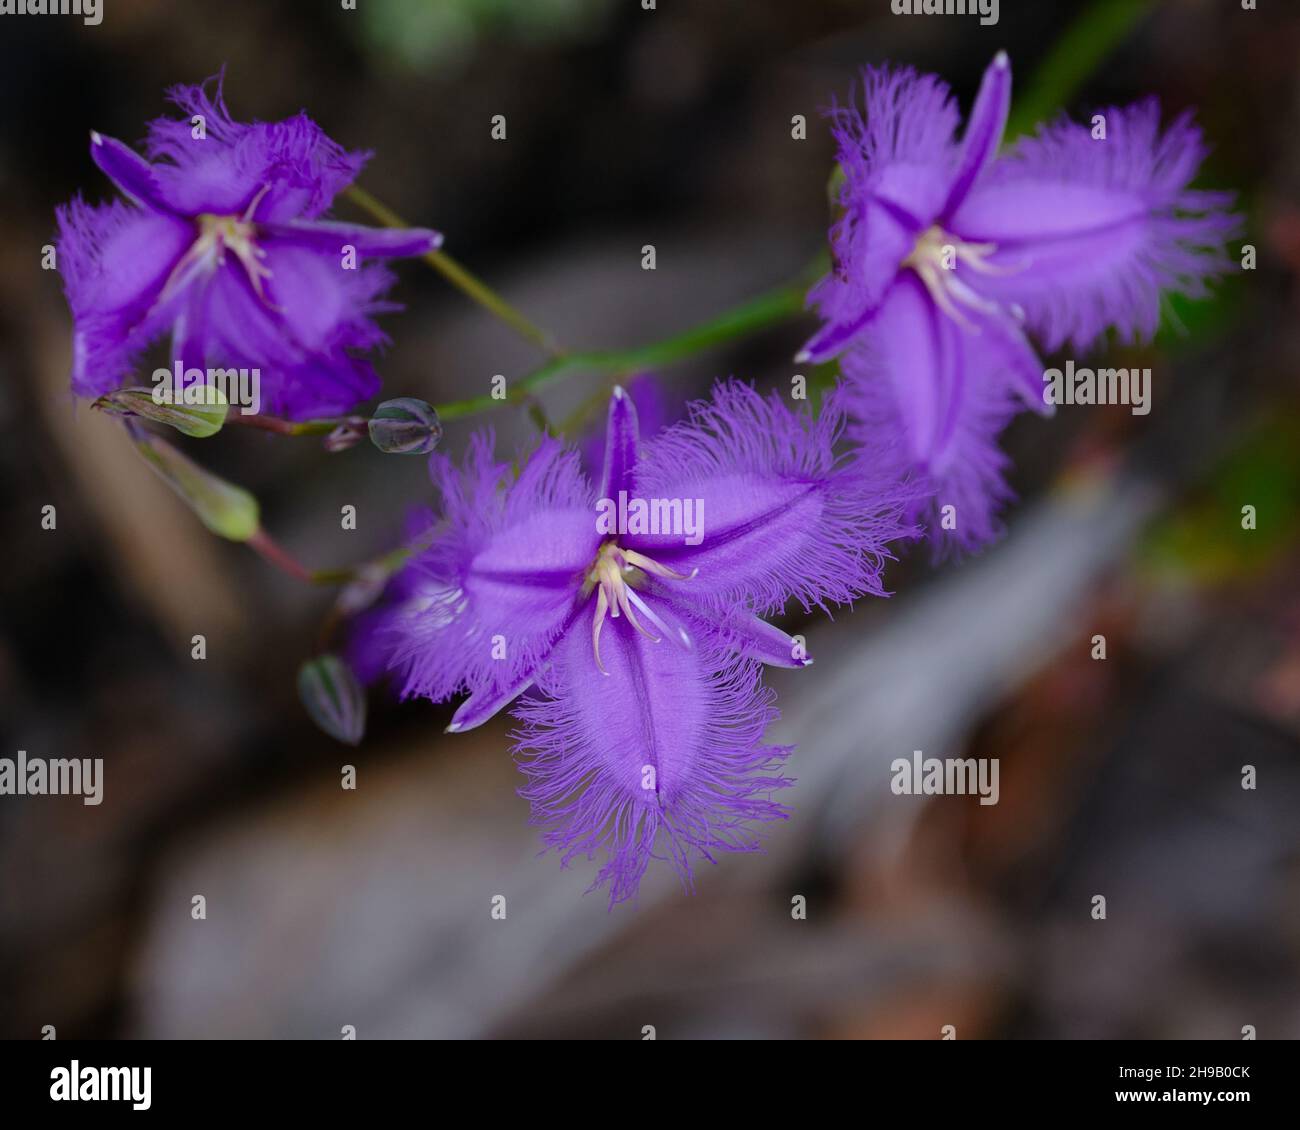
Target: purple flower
642 732
222 245
946 254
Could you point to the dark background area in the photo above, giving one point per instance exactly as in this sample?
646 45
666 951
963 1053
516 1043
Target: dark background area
371 908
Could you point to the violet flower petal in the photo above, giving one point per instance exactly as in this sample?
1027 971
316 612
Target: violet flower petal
622 447
968 473
330 237
898 159
663 757
114 261
1091 232
484 705
501 581
984 128
130 172
782 517
226 168
757 639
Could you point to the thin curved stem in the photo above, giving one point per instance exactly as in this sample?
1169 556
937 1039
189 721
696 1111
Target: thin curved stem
766 310
459 276
270 550
233 513
749 317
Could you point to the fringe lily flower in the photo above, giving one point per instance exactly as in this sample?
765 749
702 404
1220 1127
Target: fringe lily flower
640 648
947 254
221 244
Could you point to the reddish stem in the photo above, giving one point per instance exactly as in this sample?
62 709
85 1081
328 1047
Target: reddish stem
270 550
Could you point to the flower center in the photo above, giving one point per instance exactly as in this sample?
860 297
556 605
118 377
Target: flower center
615 577
935 259
219 234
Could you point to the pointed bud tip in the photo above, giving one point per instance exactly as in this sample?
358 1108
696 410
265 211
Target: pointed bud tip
802 356
95 138
618 392
333 698
452 728
1002 60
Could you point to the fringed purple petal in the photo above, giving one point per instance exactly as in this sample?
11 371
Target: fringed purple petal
897 156
1008 356
1091 231
299 378
113 261
967 474
929 360
291 168
320 386
501 580
322 306
917 350
369 630
782 516
662 758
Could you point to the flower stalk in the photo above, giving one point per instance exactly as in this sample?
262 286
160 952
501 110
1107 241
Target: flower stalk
233 513
760 313
460 277
284 427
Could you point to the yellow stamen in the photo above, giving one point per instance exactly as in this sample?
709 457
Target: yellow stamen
612 578
935 259
217 235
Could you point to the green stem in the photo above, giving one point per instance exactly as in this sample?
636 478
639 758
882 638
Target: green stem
385 565
459 277
766 310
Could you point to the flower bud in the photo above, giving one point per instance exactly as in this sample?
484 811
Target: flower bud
405 427
200 419
333 697
227 510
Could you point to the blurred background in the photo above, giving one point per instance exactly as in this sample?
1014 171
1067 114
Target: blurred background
370 908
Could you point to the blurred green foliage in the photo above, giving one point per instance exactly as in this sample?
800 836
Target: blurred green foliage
431 35
1073 59
1204 541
